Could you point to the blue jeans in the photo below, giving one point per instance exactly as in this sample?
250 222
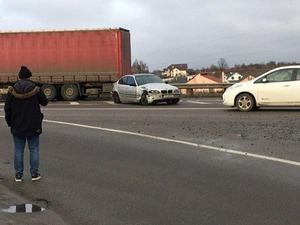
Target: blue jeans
33 145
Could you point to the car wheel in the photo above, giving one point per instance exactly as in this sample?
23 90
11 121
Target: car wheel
116 98
144 99
172 102
245 102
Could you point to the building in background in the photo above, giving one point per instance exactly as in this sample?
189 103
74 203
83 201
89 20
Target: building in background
175 70
234 78
204 78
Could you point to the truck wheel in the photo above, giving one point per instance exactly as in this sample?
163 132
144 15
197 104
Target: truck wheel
69 92
50 91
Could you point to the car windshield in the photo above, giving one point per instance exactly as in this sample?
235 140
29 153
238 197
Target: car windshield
146 79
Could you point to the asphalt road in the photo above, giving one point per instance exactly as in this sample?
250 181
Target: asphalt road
193 163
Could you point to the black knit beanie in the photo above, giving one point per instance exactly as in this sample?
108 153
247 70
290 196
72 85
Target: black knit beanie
24 73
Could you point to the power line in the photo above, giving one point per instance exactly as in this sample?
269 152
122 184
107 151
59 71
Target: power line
217 39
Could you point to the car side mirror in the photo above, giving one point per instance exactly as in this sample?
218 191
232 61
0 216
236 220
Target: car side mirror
264 80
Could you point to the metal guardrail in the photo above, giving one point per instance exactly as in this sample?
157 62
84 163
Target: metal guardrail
201 86
211 87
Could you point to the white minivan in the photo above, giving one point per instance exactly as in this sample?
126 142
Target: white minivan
277 87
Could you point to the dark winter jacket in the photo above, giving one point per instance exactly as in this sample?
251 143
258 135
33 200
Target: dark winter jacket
22 108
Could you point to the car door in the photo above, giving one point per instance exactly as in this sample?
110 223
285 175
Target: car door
296 88
275 88
122 86
131 89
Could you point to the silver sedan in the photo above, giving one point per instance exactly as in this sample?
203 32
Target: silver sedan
145 89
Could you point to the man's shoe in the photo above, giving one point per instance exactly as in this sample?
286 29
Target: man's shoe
36 176
18 178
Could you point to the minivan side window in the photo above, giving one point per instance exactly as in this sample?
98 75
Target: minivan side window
298 74
278 76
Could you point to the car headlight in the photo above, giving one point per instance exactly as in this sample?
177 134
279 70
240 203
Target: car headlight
154 92
176 91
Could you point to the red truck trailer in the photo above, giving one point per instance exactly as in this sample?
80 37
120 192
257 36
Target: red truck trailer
69 64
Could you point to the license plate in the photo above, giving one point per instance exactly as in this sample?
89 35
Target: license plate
168 96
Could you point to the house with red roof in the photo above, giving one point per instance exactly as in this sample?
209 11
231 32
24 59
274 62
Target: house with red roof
204 78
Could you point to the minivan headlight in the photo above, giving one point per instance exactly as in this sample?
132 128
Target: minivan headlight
234 86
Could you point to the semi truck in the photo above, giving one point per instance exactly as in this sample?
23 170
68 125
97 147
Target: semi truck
67 64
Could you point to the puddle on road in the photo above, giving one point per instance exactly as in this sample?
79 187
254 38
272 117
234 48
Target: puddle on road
24 208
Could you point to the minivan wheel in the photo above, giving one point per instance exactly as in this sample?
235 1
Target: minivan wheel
245 102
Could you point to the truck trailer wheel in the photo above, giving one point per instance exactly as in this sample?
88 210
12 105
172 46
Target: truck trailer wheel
69 92
50 91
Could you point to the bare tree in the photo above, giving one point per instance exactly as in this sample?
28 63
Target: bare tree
214 67
139 66
222 64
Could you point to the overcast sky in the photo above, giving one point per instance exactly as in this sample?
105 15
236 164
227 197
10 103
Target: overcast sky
165 32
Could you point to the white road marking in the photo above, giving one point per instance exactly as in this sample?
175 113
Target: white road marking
194 102
74 103
201 103
247 154
284 161
126 109
110 102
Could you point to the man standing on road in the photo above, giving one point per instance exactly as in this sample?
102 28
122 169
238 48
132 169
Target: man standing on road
23 115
